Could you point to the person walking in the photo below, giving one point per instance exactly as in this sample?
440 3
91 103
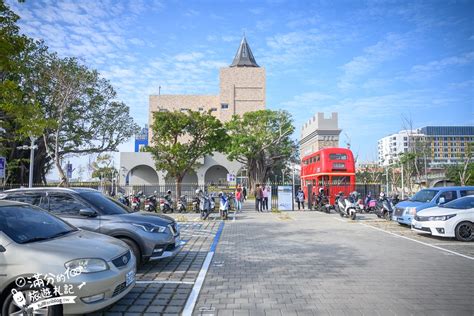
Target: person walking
258 198
265 198
238 198
300 198
244 193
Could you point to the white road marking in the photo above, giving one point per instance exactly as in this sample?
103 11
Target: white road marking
192 299
164 282
420 242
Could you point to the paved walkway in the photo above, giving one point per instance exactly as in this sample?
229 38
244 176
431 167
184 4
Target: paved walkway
309 263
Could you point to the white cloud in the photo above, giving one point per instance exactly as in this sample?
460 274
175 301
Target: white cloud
387 49
425 71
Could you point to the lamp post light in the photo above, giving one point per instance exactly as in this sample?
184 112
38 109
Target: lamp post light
32 148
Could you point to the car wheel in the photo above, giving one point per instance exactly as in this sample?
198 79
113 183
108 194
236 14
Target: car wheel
464 231
9 306
134 248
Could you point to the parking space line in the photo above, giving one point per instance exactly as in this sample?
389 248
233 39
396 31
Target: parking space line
164 282
420 242
192 299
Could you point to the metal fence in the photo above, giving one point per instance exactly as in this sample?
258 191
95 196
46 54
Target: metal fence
189 189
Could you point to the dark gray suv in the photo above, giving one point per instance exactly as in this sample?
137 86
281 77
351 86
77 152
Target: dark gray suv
150 236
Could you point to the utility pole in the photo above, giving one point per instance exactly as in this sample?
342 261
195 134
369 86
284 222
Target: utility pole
32 160
32 148
386 179
403 188
293 185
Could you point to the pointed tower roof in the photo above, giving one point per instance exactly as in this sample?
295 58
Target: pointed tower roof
244 56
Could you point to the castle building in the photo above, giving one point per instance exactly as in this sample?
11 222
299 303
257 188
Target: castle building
241 89
318 133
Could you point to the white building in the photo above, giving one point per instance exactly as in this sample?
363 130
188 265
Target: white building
441 145
390 147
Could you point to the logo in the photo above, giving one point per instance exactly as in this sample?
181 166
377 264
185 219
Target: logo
124 259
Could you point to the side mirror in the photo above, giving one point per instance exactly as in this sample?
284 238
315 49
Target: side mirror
441 200
87 212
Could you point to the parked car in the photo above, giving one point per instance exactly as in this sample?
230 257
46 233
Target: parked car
33 242
150 236
426 198
453 219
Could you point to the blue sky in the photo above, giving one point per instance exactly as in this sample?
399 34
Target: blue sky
371 61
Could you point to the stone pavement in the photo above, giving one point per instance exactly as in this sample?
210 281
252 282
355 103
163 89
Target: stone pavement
163 286
310 263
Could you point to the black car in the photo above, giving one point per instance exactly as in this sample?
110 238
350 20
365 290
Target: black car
150 236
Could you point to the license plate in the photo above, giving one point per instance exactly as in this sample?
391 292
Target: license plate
417 225
129 278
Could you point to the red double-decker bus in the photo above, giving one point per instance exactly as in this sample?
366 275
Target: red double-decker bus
332 169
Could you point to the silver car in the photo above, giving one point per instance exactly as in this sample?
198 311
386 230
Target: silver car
49 267
150 236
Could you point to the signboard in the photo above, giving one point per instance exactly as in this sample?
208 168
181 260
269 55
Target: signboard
231 179
3 165
285 197
69 170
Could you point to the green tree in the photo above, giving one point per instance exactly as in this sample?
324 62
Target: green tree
86 117
260 140
181 138
21 116
463 172
104 168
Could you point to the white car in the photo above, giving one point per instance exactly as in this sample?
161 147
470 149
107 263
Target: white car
453 219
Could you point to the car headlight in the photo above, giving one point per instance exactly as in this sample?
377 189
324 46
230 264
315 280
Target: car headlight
441 218
150 228
410 211
87 265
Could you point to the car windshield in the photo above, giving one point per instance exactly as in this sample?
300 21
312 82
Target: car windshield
106 205
461 204
424 196
25 224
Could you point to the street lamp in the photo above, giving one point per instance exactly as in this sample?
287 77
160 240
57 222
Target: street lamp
32 148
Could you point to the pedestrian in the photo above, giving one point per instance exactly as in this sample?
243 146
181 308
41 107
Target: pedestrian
244 192
300 198
238 198
258 198
265 198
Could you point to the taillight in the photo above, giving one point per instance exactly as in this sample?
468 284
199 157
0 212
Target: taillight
162 201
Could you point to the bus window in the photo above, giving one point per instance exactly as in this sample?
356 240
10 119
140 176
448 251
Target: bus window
336 180
338 156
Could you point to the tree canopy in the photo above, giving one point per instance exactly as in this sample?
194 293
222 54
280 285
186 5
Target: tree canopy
181 138
69 108
260 140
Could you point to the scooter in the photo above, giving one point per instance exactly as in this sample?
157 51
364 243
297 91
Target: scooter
165 205
124 199
322 204
196 204
223 206
181 207
150 203
205 206
136 201
347 207
384 209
